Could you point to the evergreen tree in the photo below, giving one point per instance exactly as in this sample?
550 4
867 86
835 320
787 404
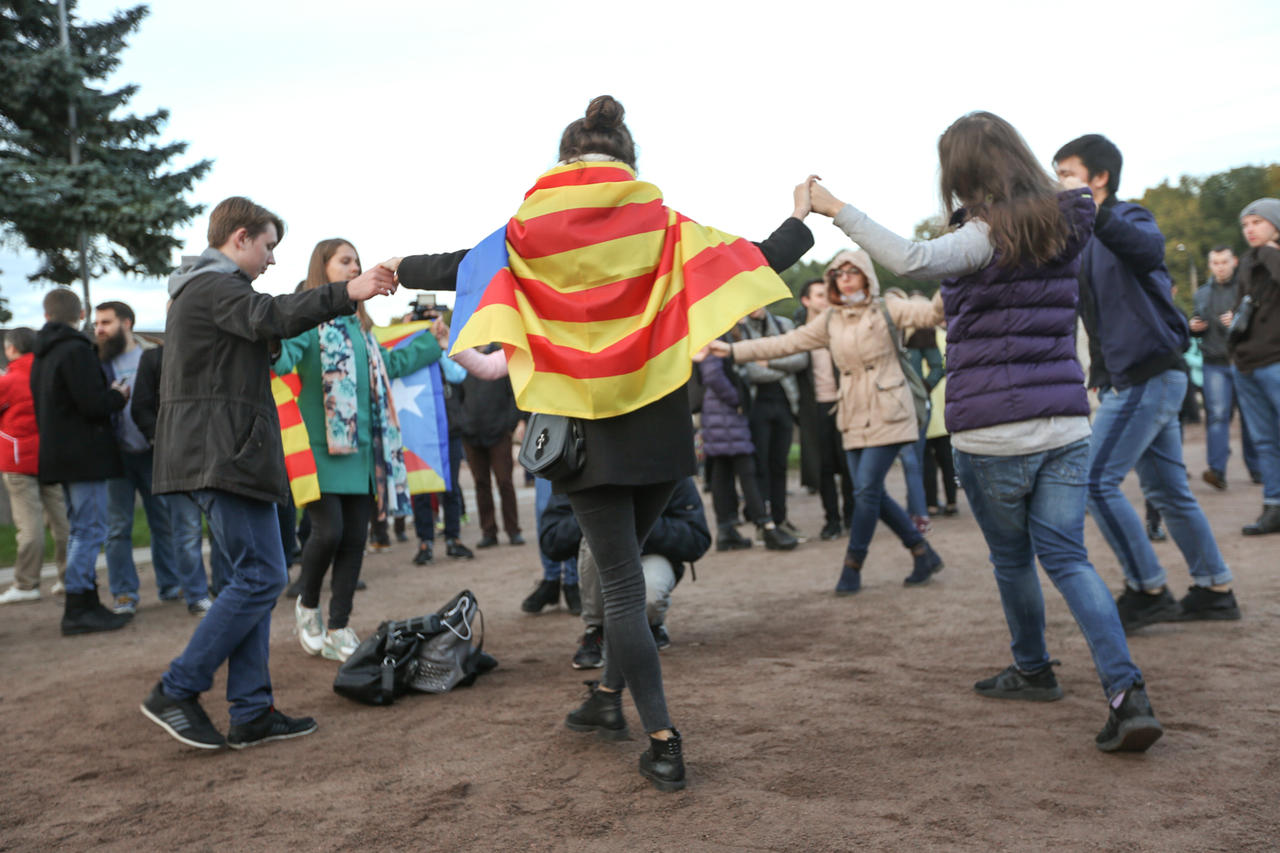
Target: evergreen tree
122 194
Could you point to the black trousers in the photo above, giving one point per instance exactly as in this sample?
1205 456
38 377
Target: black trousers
339 527
615 521
724 470
772 427
837 506
937 456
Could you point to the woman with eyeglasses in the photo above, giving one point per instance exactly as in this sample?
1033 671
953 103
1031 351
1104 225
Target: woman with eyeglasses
875 413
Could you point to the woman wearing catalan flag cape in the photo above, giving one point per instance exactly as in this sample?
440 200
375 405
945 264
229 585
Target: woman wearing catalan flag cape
601 296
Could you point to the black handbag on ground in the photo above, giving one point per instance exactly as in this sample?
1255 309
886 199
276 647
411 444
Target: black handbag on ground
553 446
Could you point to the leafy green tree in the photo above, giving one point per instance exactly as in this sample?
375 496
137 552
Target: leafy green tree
1197 213
122 195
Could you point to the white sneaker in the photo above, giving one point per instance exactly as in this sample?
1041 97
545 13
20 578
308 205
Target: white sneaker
58 588
13 595
339 643
310 631
201 607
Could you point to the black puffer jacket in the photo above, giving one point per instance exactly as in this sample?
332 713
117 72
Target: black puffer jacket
680 534
74 406
217 427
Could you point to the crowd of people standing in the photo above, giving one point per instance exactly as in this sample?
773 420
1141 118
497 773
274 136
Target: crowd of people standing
981 383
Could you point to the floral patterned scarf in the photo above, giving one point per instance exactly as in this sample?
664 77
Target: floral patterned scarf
339 383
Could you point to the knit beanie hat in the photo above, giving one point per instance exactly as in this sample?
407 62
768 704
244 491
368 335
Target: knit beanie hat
1267 208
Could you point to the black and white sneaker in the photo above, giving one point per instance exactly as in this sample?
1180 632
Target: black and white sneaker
272 725
183 719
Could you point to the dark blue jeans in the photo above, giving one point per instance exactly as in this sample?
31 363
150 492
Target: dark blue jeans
424 516
1219 404
1033 506
868 467
237 629
1259 392
121 571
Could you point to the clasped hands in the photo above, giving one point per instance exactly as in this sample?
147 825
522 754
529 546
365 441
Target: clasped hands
378 280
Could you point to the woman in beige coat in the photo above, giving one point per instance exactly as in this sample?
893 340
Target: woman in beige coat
875 413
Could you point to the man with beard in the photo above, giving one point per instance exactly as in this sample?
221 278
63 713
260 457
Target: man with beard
120 353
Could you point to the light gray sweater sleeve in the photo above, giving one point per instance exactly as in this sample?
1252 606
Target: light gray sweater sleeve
955 253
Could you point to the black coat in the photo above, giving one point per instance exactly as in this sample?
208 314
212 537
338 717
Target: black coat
653 444
146 393
680 534
74 405
217 427
488 409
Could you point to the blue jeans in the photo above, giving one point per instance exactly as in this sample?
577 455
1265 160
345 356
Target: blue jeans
867 468
1219 404
424 515
1033 506
188 537
121 571
1259 393
552 570
912 457
1137 428
87 518
237 629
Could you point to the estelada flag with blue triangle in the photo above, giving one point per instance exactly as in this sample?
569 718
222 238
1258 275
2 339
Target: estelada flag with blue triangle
600 295
419 401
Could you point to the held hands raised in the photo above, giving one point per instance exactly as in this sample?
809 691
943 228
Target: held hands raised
378 280
822 200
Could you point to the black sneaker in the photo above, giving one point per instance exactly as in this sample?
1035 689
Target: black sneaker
1200 602
516 539
600 713
1131 724
590 655
1139 609
729 539
777 539
272 725
1013 683
546 593
661 638
831 530
1155 531
424 554
487 542
454 548
183 719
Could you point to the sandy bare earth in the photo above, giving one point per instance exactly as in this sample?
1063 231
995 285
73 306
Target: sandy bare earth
810 722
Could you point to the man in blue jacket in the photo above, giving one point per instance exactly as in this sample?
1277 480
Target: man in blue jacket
1128 311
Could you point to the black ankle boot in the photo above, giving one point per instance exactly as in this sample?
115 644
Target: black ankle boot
547 592
927 564
85 614
663 763
777 539
729 539
600 713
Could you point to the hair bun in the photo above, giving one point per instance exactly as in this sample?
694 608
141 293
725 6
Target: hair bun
603 113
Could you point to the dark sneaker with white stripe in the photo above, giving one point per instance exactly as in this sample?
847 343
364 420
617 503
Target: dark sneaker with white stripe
272 725
183 719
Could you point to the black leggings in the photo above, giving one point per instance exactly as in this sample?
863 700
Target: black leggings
937 456
615 520
339 526
724 469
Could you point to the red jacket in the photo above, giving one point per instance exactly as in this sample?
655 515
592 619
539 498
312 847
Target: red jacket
19 440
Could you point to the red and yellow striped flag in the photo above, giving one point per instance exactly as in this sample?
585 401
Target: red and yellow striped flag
298 459
601 295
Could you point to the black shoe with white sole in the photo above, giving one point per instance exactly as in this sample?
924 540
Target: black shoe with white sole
183 719
272 725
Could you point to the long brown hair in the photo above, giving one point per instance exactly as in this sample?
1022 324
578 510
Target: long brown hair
318 277
988 169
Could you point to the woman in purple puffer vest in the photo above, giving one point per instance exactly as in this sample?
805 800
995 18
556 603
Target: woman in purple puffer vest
726 442
1015 400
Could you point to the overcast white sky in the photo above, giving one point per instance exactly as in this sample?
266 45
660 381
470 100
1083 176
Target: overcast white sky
417 127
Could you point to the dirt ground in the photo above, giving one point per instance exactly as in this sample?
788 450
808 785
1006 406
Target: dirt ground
810 722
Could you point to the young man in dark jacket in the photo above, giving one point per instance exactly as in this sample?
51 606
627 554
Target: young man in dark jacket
1215 298
218 439
680 536
74 405
1256 353
489 416
1139 336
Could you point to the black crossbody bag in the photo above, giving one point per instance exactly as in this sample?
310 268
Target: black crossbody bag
554 447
